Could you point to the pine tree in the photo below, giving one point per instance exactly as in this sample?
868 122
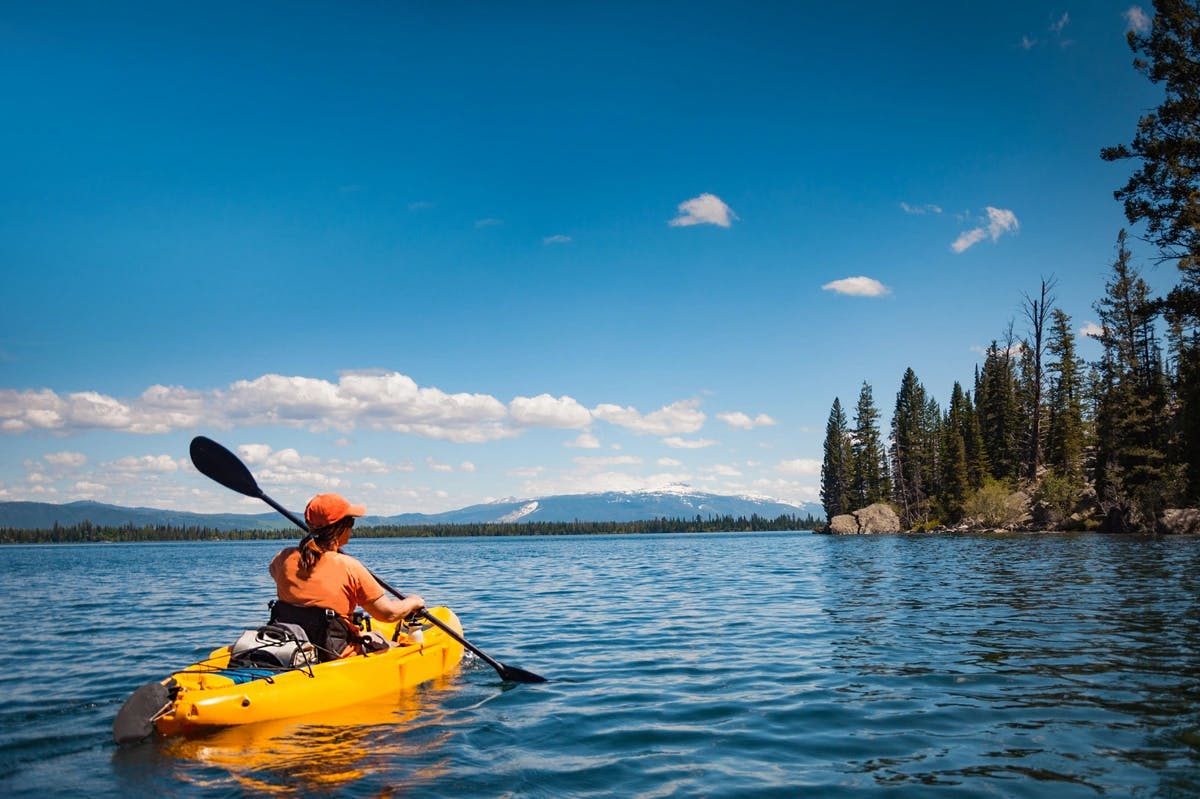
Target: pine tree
1133 478
1065 434
835 468
955 482
870 481
914 442
996 402
1164 193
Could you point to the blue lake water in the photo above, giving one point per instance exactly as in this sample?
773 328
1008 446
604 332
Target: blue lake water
731 665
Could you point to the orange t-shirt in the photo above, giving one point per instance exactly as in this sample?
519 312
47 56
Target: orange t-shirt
338 582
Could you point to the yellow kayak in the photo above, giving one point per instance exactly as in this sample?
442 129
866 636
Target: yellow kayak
210 694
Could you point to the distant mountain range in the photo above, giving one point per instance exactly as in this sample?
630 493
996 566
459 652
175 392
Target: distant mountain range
612 506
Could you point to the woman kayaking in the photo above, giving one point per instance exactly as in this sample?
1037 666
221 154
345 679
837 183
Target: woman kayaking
317 575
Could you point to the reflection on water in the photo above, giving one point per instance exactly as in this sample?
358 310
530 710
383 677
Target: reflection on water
306 755
716 666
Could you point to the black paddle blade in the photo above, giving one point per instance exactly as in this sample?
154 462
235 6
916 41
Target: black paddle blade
513 674
135 720
215 462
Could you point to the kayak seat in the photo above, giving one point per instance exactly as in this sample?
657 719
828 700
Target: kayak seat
327 631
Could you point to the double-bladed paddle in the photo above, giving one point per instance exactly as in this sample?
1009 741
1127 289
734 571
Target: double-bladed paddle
221 465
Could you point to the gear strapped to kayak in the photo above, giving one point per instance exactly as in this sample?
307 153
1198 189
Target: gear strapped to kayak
275 672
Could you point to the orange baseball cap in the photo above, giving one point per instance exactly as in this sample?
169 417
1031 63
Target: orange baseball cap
326 509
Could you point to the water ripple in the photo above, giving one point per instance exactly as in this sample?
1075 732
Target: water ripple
707 665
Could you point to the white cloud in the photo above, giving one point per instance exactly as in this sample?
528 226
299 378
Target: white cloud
804 466
683 416
357 400
927 208
557 239
438 467
547 411
743 421
858 287
67 460
526 471
668 462
707 209
488 222
600 461
1000 221
161 464
1092 329
1060 23
467 466
675 442
723 470
585 441
1028 42
1136 20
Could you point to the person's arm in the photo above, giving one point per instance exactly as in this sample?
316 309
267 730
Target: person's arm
386 608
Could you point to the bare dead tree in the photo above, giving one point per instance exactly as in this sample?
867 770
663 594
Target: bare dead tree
1036 309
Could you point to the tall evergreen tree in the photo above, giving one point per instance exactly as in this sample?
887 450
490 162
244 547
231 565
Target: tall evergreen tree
869 476
914 442
996 402
1164 193
1065 434
835 467
1132 473
955 482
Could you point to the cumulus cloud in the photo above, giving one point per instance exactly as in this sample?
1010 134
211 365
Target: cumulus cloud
857 287
436 466
66 460
683 416
668 462
927 208
743 421
676 442
604 461
805 466
1092 330
585 441
557 239
547 411
362 400
1136 20
160 464
707 209
999 222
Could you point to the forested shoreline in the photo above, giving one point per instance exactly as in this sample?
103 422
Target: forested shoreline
1045 440
89 533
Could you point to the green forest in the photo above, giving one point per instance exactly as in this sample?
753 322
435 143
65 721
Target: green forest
1042 439
89 533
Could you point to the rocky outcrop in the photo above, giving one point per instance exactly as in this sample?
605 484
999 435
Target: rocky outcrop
877 518
844 524
1180 521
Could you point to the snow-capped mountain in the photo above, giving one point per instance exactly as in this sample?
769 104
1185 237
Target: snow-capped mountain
673 502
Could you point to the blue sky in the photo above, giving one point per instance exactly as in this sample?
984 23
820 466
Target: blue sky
433 254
